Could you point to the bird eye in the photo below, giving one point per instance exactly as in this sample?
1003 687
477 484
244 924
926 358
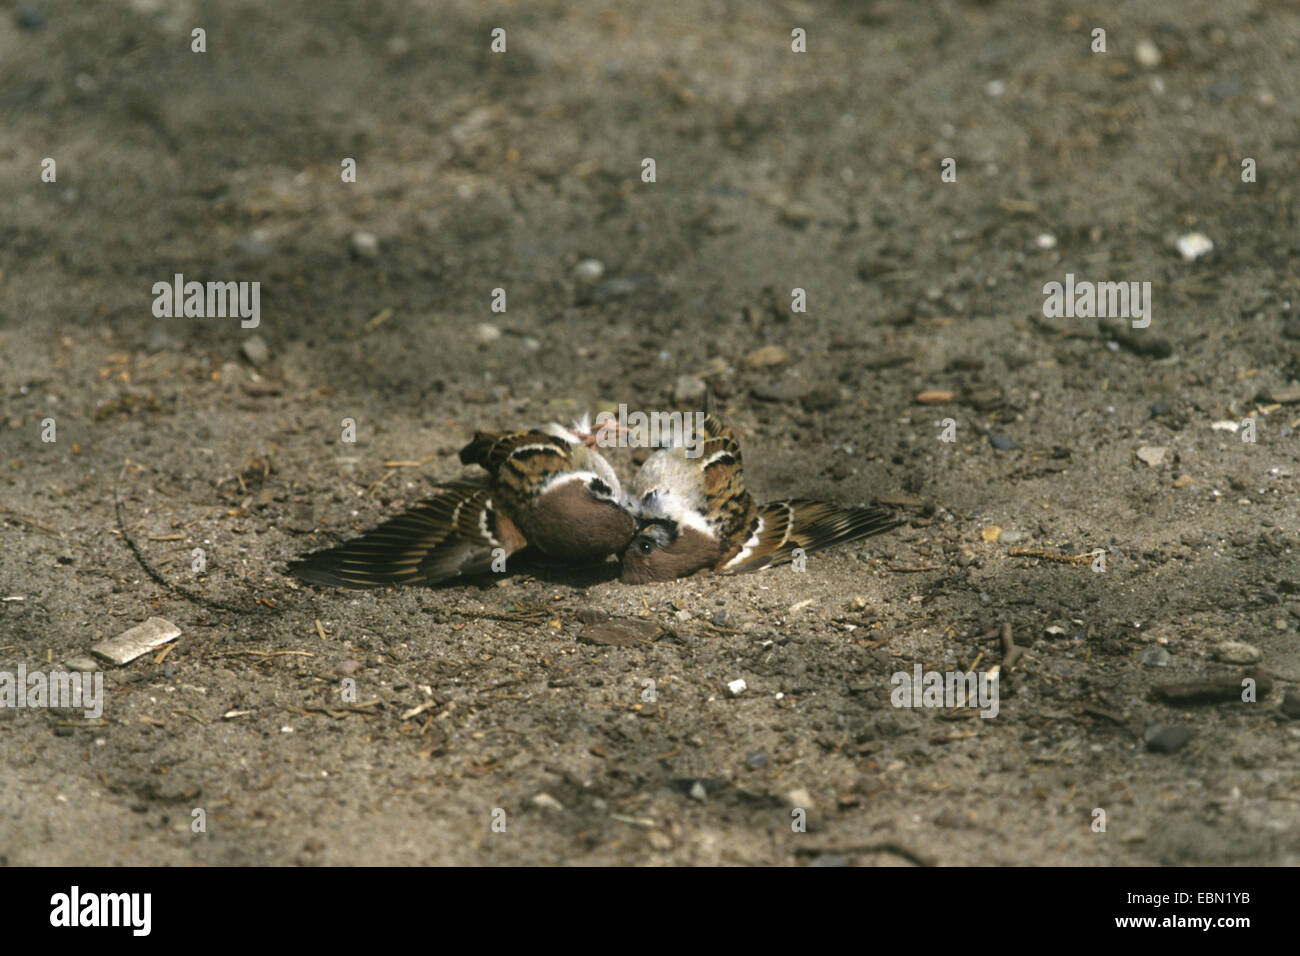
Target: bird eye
644 546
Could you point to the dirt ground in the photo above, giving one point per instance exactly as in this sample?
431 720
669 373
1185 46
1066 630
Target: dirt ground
775 171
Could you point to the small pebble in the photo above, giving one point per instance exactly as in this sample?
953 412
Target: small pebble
1193 245
1155 656
589 270
255 349
721 617
618 288
347 668
1002 442
821 398
619 633
769 356
136 641
799 797
756 761
1291 704
1045 240
254 245
797 214
1147 55
29 17
689 389
1160 409
82 665
736 687
1163 739
1285 396
777 391
545 801
486 333
1152 455
1235 652
364 245
1221 90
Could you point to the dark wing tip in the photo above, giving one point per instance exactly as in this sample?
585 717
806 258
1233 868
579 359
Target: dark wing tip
812 526
837 525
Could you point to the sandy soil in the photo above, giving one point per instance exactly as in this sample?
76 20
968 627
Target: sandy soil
774 171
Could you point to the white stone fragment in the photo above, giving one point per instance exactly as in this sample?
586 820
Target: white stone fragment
1193 245
140 639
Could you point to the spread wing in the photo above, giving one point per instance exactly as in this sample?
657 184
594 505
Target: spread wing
778 528
457 532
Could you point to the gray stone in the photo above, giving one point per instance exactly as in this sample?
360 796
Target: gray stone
255 349
1163 739
1236 652
689 390
1155 656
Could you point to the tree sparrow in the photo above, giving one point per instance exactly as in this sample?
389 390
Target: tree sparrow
546 487
694 513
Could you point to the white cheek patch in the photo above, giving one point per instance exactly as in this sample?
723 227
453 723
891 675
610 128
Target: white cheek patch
667 505
696 521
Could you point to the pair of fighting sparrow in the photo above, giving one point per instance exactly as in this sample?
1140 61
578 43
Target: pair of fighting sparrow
548 488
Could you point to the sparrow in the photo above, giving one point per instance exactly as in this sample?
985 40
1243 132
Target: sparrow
545 487
693 513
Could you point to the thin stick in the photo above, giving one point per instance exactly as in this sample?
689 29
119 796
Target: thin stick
153 572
